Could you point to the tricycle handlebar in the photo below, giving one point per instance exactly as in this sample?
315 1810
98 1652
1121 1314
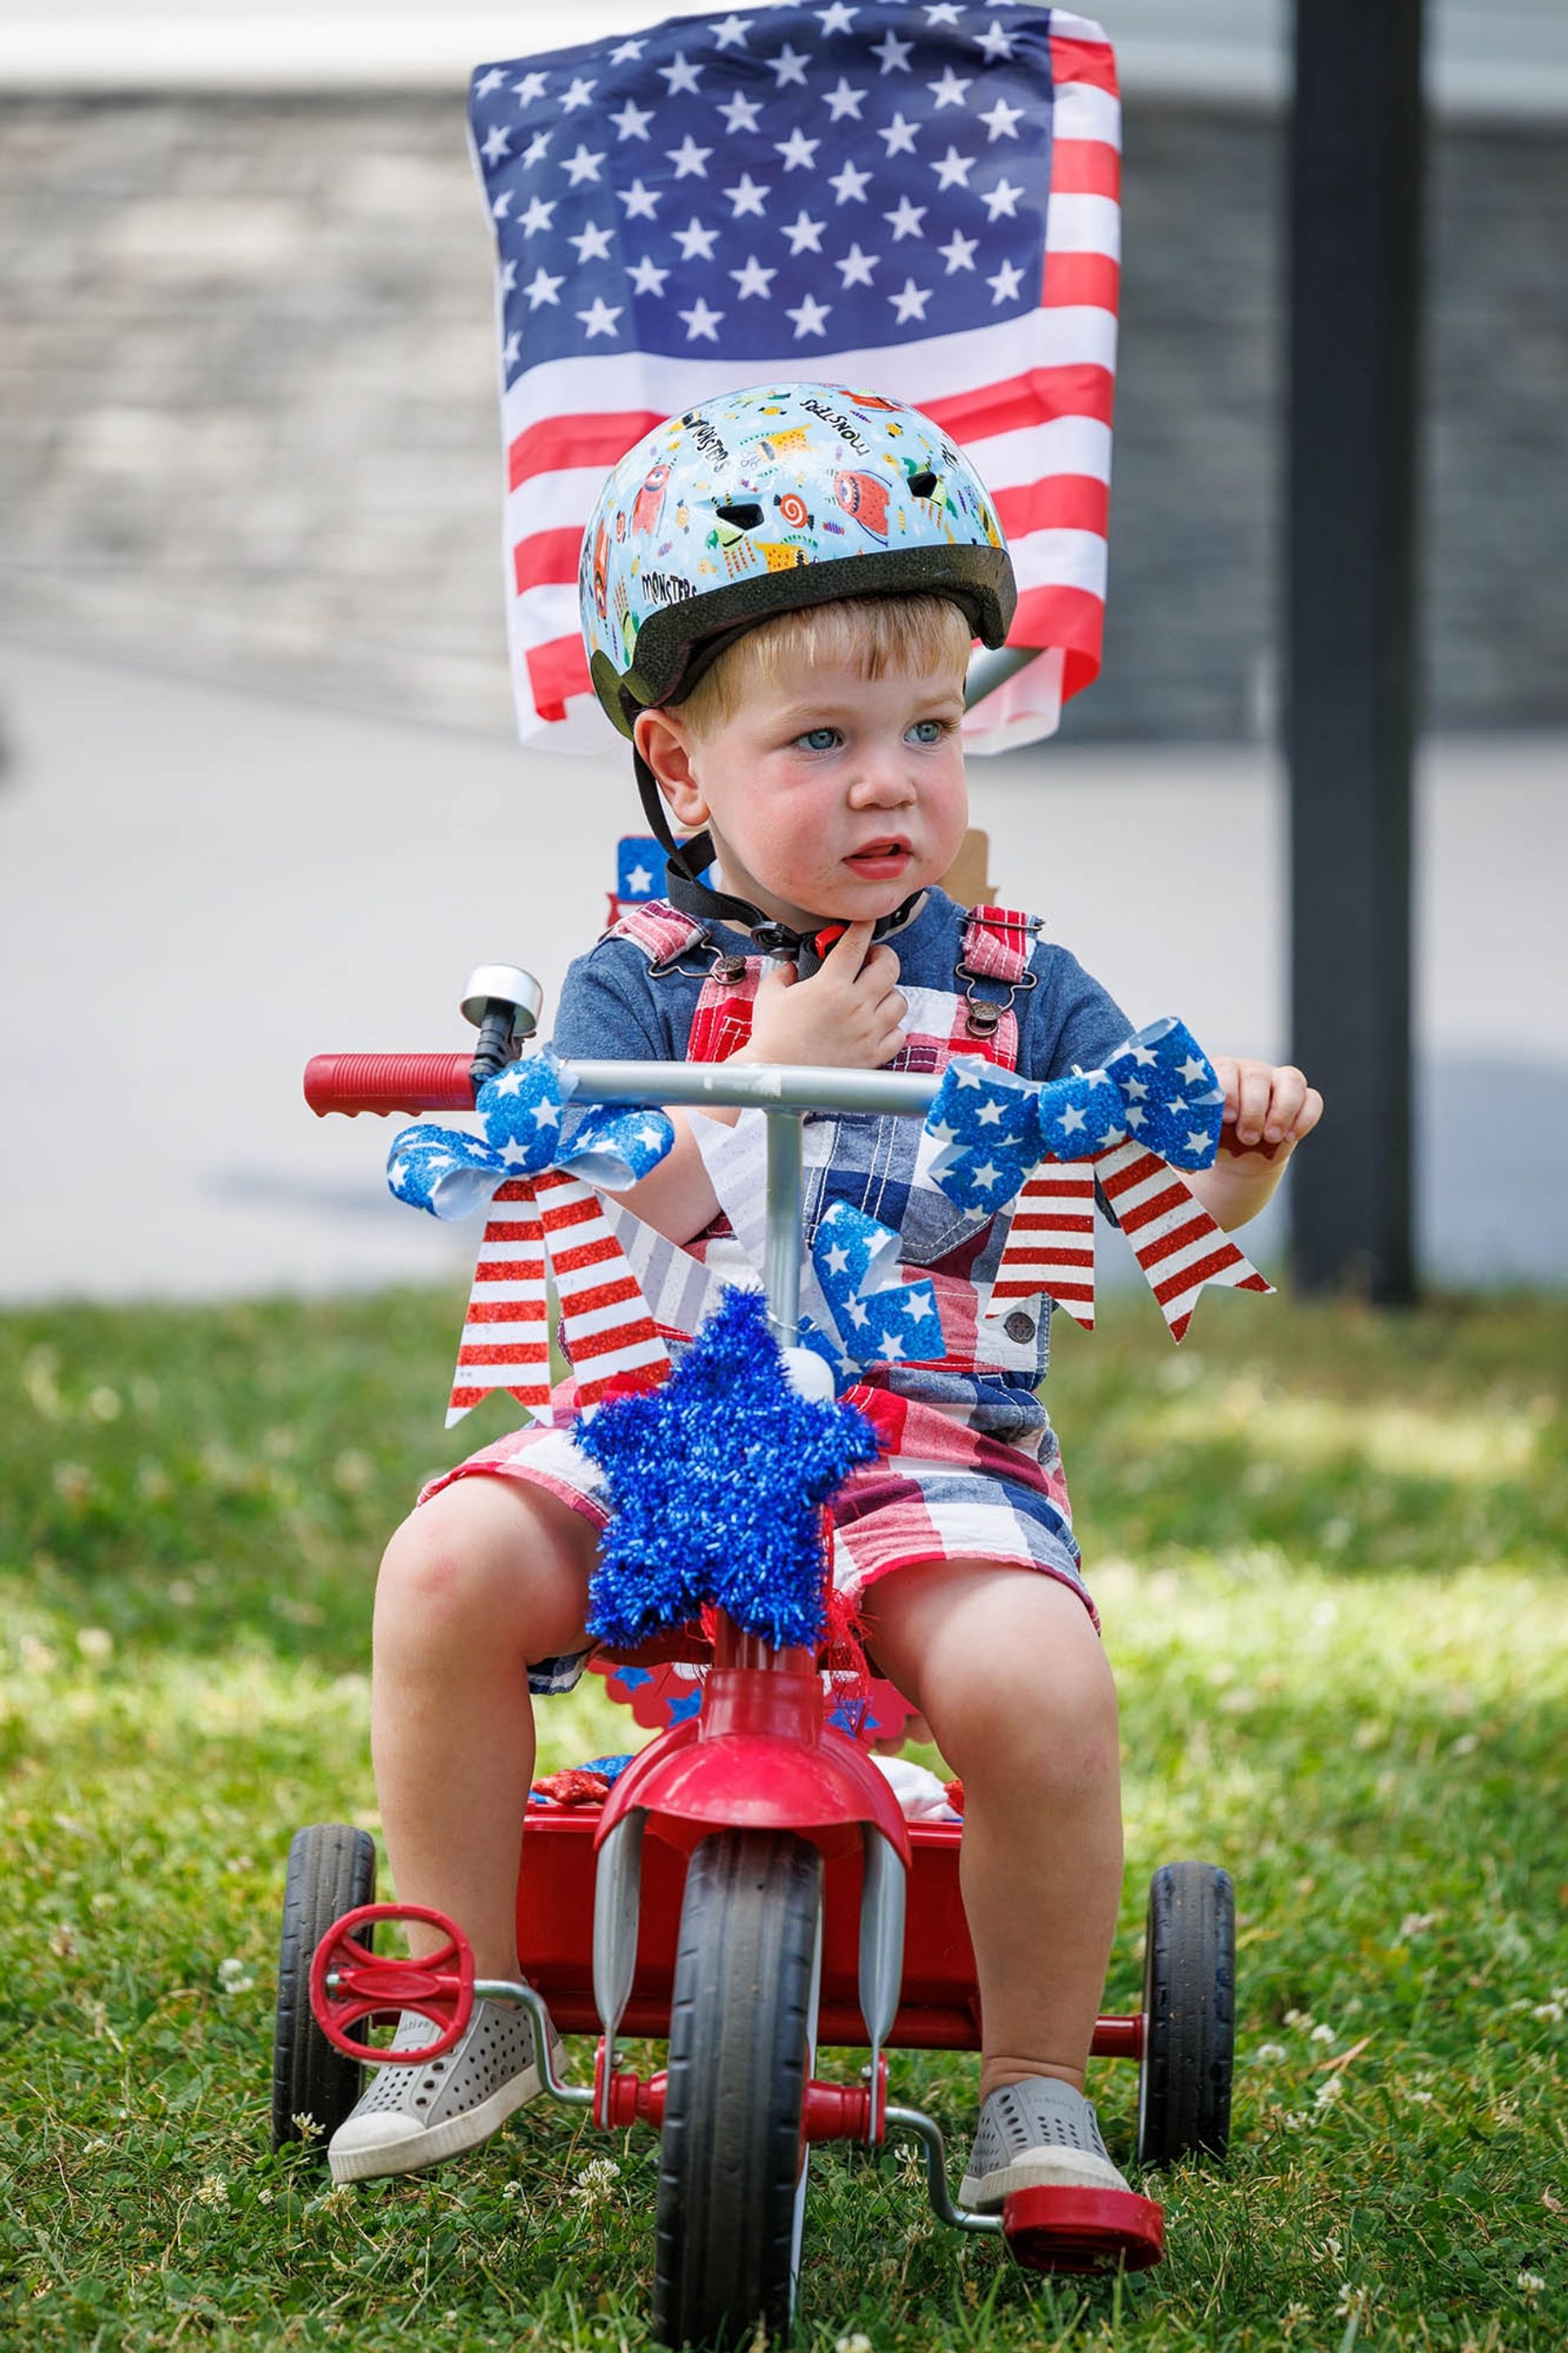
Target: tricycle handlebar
381 1083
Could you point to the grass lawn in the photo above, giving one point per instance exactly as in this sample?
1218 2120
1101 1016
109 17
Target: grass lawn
1329 1550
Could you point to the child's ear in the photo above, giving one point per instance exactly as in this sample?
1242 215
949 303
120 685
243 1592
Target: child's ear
666 744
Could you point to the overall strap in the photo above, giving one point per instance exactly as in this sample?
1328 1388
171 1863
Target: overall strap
661 930
995 950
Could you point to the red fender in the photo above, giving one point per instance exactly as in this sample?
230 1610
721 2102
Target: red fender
759 1757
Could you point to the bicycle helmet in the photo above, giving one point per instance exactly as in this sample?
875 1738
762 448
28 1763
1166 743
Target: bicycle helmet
761 502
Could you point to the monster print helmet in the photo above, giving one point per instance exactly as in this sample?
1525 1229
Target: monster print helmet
763 501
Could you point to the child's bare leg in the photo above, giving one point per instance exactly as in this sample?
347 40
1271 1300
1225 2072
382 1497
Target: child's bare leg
1009 1670
487 1576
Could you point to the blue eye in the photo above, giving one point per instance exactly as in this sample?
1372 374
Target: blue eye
819 739
928 730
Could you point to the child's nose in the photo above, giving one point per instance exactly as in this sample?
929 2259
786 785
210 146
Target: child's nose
882 781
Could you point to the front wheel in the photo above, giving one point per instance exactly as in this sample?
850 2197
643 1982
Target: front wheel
331 1869
731 2157
1189 2015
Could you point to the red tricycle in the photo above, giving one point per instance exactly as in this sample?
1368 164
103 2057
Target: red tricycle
748 1889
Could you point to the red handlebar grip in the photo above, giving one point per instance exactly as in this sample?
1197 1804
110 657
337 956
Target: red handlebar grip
388 1082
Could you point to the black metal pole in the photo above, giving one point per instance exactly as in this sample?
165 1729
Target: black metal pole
1354 277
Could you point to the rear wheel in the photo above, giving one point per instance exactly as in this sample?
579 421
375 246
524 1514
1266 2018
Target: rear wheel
731 2156
331 1869
1189 2015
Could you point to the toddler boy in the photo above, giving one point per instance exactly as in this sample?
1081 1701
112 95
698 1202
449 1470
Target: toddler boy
802 727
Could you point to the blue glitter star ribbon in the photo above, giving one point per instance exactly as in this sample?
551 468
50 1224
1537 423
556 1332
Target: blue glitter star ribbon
876 1317
536 1166
717 1484
1155 1108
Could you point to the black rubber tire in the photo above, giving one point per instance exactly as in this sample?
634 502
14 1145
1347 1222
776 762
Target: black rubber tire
1189 2013
331 1869
739 2049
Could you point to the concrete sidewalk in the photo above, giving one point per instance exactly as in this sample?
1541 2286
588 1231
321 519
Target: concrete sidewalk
200 887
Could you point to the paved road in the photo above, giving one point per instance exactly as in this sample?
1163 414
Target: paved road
199 887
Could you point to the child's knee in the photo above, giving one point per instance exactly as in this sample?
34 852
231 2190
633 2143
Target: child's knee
472 1564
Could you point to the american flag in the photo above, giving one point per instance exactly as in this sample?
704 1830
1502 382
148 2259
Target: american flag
918 198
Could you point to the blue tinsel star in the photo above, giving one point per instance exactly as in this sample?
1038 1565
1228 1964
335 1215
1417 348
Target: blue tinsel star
717 1481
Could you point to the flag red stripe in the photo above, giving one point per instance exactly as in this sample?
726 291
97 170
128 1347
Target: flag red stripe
508 1269
1193 1229
557 669
521 1353
1036 398
1085 167
605 1344
1122 1180
581 1254
1191 1276
548 559
1051 1221
506 1310
1091 280
556 443
1080 1292
1092 63
1059 502
1170 1197
1062 617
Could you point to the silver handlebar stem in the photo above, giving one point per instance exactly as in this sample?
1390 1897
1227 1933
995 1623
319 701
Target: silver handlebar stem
781 1250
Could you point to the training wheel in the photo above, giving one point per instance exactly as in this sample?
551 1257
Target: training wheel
440 1987
1083 2229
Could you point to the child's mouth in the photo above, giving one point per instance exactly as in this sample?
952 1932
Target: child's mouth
880 861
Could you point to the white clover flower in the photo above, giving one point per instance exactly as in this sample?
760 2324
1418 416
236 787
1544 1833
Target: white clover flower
305 2124
1269 2054
1529 2285
213 2190
594 2179
1549 2013
232 1977
1327 2094
264 2196
1321 2034
512 2190
1421 2099
1353 2300
1300 2019
859 2343
1415 1923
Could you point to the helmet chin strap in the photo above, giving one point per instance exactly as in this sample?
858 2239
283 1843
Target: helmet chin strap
685 862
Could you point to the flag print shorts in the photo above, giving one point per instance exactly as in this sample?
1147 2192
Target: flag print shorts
941 1490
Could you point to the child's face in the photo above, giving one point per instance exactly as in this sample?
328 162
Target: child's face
828 793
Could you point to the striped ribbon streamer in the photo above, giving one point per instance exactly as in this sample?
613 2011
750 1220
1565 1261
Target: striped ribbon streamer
539 1226
1157 1100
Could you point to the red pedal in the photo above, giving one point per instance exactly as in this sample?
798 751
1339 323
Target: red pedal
364 1984
1083 2229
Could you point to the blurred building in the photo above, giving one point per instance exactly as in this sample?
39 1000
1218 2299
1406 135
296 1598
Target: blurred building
246 314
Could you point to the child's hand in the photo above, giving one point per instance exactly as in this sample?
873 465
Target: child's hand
1267 1108
847 1015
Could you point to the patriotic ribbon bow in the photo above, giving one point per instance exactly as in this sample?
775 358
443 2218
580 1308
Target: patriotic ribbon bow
873 1318
1156 1107
537 1167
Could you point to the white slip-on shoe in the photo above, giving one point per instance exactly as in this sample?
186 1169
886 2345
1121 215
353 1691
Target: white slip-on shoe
1037 2134
414 2116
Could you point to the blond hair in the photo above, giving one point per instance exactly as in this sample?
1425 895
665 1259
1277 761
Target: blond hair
871 635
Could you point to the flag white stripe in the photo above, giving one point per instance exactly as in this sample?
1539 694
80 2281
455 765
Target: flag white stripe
1081 224
937 369
1082 112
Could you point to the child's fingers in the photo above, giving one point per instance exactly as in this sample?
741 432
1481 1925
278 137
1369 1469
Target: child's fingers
1253 1092
1287 1094
1307 1118
848 954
